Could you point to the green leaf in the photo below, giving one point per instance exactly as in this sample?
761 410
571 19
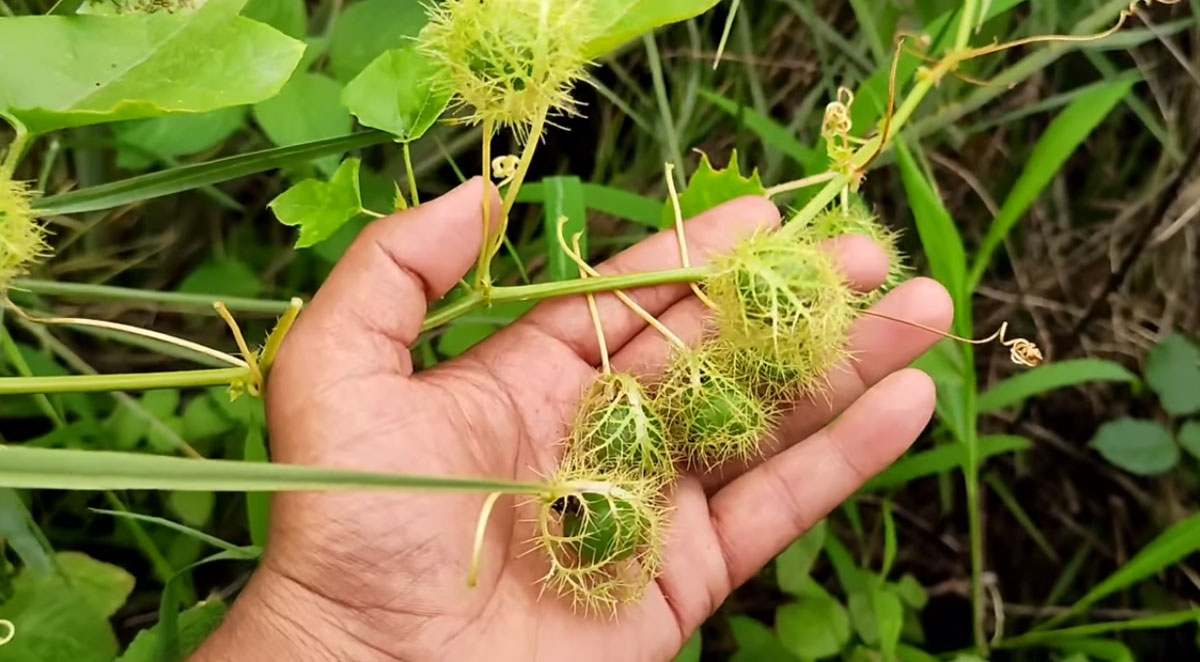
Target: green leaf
910 591
194 625
64 71
1064 135
367 29
606 200
396 93
162 403
813 627
52 468
1173 371
1189 438
691 649
1141 447
564 199
231 551
306 109
945 457
878 617
21 533
66 618
288 16
939 236
793 565
258 504
203 419
1155 622
228 277
709 188
194 508
164 138
1049 377
756 642
615 22
186 178
1108 650
320 208
773 134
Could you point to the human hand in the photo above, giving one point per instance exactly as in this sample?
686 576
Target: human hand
382 576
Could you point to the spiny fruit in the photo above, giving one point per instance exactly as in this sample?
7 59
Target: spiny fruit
602 533
856 218
711 416
511 61
22 237
617 428
784 299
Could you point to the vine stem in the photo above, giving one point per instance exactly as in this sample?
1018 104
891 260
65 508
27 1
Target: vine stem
412 177
122 382
510 196
90 292
16 150
539 291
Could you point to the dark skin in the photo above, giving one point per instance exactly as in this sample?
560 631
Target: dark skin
360 576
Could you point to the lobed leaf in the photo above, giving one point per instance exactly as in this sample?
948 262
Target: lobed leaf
319 208
397 93
65 71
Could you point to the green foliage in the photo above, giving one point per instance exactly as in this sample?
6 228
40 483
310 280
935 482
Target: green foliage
614 22
691 649
323 117
71 71
288 16
21 533
163 139
195 624
46 607
793 565
1141 447
1173 371
1061 374
1061 139
397 93
564 200
320 208
709 188
368 29
815 626
1189 438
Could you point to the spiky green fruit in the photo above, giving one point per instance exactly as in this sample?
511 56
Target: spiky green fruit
618 428
22 237
712 417
510 61
857 219
783 299
602 534
603 528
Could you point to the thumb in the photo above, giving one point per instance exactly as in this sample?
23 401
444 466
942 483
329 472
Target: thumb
371 308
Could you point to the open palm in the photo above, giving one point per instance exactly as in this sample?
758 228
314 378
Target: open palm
383 576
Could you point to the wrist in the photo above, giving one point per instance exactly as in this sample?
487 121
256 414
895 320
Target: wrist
276 618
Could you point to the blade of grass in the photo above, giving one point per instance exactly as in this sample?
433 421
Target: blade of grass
606 200
1170 547
1064 135
564 199
1052 102
202 303
186 178
1022 517
258 504
249 553
673 151
45 468
1156 622
773 134
18 529
1049 377
1139 108
943 458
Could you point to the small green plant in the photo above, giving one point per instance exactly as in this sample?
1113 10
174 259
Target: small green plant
1149 447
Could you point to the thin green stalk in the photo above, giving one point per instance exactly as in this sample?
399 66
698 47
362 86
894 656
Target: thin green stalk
45 468
162 567
122 382
966 24
664 104
540 291
16 150
415 198
13 353
202 302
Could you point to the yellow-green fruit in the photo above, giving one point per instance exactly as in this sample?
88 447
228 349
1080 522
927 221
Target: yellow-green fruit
511 61
22 237
602 528
618 428
712 417
857 219
783 299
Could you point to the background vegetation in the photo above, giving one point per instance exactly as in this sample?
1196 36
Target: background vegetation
1046 515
